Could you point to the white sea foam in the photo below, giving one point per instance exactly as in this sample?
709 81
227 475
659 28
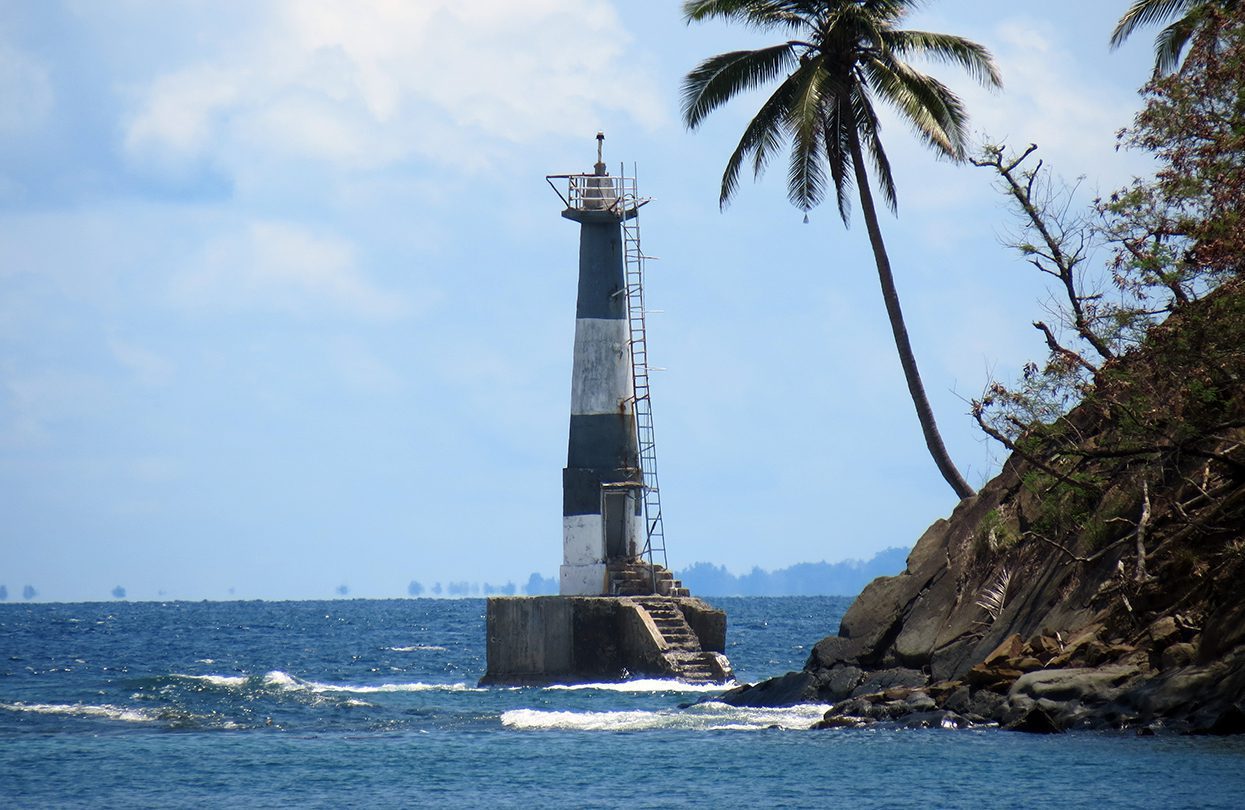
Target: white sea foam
417 648
701 717
645 685
106 711
217 680
286 682
281 680
391 687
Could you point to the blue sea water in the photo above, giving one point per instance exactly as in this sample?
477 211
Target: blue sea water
375 703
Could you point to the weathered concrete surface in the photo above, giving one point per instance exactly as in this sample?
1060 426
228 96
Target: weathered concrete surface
583 639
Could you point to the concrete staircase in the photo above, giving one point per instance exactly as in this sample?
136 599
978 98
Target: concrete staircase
636 578
681 649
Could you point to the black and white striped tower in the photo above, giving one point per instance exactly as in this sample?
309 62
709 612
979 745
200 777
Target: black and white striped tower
602 485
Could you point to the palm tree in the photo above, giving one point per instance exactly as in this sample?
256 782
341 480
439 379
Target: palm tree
1194 17
839 56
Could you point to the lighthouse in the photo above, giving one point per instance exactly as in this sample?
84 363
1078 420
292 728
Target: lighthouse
603 482
620 612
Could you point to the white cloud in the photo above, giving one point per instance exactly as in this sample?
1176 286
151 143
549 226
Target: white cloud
1054 100
283 267
25 89
367 85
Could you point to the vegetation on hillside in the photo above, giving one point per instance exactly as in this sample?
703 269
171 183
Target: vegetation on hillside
1132 433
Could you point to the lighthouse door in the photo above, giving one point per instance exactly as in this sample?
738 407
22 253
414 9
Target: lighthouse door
615 513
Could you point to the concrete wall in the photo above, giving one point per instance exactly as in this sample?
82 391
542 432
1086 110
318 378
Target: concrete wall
584 639
569 639
707 622
529 636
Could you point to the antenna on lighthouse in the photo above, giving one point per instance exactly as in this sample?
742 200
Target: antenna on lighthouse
600 167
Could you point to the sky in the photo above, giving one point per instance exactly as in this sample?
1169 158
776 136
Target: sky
286 303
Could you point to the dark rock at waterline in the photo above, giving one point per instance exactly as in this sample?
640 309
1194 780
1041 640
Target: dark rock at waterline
1035 721
1231 721
791 689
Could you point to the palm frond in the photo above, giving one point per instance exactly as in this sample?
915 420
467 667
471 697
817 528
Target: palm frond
936 113
806 175
764 133
836 139
1147 12
1170 42
869 130
948 49
994 598
756 13
720 78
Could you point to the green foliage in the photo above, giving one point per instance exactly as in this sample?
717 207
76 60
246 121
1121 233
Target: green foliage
1060 508
995 533
1170 242
836 58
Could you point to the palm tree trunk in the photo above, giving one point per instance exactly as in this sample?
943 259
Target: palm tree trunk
924 413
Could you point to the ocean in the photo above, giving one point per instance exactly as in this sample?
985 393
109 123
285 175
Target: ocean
374 703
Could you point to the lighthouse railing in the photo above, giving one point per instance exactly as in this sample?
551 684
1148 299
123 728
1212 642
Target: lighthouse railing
595 192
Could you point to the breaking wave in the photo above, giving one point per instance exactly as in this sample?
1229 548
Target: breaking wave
105 711
284 682
417 648
701 717
122 714
216 680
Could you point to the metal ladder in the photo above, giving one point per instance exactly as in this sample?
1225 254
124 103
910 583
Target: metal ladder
633 260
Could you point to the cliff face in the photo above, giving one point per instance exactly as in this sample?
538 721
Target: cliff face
1098 581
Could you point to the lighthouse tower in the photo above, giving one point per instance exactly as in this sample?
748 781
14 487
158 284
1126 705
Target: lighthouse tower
620 612
603 483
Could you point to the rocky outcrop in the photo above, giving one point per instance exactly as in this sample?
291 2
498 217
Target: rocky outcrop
1098 581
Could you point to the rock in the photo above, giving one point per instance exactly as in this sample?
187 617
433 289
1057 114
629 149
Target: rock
1223 630
853 707
929 552
873 616
953 659
1036 721
841 721
1163 631
1178 655
985 703
934 719
1230 722
881 680
1045 647
915 643
838 683
1026 664
1095 686
941 690
791 689
957 700
920 702
832 651
998 679
1074 647
1009 648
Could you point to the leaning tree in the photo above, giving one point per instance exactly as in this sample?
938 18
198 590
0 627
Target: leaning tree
839 58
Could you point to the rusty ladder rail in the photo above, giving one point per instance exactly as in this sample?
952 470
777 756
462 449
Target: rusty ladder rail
634 260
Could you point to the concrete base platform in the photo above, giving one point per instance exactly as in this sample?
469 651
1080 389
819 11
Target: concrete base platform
586 639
